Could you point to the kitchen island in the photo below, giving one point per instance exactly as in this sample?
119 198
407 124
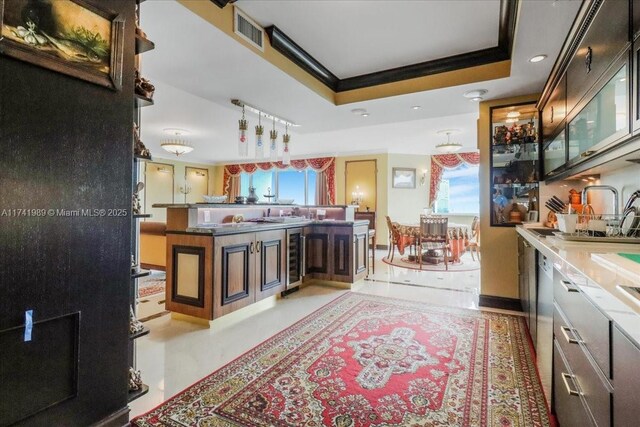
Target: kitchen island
585 326
221 258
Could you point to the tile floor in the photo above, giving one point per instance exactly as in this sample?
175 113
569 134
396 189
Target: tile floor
177 354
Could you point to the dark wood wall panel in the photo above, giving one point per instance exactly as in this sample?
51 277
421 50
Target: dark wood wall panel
67 144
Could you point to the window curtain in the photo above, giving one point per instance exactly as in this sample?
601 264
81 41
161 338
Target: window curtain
440 162
324 166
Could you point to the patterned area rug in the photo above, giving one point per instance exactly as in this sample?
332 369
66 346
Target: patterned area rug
151 285
465 264
364 360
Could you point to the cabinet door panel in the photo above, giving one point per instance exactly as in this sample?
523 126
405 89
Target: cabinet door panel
626 380
555 110
234 273
341 254
600 46
360 251
189 275
317 242
271 263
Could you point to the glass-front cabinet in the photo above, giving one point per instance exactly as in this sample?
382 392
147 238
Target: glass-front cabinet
555 154
603 120
515 164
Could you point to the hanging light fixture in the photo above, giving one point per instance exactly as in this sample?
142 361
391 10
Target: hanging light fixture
273 146
449 146
259 142
243 143
177 145
286 155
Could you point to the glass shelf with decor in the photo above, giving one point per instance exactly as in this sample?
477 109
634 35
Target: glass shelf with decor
514 164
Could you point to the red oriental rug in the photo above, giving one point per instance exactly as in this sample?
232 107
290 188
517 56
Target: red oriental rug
364 360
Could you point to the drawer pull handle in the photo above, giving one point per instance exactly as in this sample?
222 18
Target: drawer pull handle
568 286
565 331
587 153
258 244
251 248
588 58
565 378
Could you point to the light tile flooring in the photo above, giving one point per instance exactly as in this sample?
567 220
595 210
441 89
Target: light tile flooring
177 354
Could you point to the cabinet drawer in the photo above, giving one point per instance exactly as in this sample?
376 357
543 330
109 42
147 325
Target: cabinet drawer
597 50
568 405
590 325
626 378
586 375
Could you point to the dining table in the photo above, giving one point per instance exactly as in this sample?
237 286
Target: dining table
458 235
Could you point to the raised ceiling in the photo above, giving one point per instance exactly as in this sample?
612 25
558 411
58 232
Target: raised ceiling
197 69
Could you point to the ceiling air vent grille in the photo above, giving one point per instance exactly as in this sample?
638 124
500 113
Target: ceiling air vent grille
247 29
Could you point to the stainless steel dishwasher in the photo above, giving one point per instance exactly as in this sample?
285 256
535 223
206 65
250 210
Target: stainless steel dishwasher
544 337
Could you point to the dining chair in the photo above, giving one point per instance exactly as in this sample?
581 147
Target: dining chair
371 216
474 241
434 236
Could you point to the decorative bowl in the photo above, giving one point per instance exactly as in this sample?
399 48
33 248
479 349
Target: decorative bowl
214 199
285 201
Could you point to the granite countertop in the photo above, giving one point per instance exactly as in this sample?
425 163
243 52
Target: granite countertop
598 270
249 227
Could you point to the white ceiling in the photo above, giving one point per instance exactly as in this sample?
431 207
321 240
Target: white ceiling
352 37
197 69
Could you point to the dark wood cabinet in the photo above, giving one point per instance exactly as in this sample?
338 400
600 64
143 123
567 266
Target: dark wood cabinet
271 272
234 272
605 37
317 252
337 253
360 250
626 380
555 110
247 268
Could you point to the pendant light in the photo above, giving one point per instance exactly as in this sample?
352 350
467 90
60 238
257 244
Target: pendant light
273 146
449 146
286 155
176 145
243 143
259 142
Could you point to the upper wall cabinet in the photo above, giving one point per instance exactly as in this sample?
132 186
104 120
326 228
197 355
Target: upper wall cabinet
555 111
586 103
604 39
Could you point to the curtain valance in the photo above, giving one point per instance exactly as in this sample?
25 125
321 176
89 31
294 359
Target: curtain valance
325 165
439 162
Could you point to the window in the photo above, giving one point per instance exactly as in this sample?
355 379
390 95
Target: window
459 191
285 184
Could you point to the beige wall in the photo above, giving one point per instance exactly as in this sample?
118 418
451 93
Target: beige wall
361 176
405 205
499 272
165 187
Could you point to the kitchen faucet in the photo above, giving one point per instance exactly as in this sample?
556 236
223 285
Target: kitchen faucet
586 189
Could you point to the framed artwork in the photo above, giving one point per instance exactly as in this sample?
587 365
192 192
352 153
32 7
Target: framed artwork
403 178
72 37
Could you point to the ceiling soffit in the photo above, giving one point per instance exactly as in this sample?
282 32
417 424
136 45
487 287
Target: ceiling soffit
471 67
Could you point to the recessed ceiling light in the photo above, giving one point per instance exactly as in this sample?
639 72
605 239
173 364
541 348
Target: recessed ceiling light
476 99
365 114
476 93
359 111
538 58
416 107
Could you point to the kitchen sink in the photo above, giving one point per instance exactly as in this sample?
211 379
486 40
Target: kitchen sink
543 231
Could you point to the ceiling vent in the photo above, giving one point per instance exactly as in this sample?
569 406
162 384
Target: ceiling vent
247 29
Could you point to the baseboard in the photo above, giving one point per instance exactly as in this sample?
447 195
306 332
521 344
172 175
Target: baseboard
153 267
503 303
117 419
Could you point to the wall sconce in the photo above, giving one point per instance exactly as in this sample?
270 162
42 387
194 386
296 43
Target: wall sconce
162 169
198 173
423 178
357 196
